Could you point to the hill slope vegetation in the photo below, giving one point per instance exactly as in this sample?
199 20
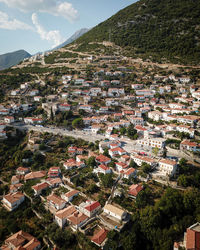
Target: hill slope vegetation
169 29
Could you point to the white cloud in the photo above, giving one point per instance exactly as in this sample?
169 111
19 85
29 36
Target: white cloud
53 7
52 36
12 24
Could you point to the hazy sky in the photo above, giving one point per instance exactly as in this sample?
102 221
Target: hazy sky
38 25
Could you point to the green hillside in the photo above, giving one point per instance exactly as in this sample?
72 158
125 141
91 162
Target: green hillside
157 28
10 59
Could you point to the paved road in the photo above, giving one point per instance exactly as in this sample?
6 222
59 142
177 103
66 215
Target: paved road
128 144
59 131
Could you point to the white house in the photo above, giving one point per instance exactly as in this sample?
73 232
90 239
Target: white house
114 212
102 169
167 167
130 172
33 92
37 98
64 107
38 188
13 200
70 195
86 108
115 92
77 219
89 208
138 159
190 146
9 119
32 120
56 202
61 216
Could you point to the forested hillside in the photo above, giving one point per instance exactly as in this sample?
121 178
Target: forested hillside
169 29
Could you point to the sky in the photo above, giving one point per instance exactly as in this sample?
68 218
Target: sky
39 25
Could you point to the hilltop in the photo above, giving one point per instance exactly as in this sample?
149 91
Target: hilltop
10 59
153 29
75 36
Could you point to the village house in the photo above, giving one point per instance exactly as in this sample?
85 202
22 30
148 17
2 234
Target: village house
35 175
114 212
102 169
136 120
102 159
72 163
129 173
61 216
186 129
37 98
111 102
145 92
21 240
190 146
16 179
116 151
34 92
153 142
22 170
139 159
56 202
15 187
115 92
86 108
167 167
95 91
32 120
15 92
54 172
64 107
89 208
120 166
12 201
9 119
99 238
134 190
38 188
70 195
77 219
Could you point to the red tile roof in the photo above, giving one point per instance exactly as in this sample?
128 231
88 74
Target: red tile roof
135 189
102 158
100 236
93 206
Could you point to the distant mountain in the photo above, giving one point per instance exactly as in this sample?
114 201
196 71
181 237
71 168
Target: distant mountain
10 59
75 36
153 29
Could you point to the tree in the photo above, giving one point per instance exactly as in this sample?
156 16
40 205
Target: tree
105 152
131 132
146 168
51 115
77 123
155 151
91 162
133 164
106 180
42 146
92 188
183 180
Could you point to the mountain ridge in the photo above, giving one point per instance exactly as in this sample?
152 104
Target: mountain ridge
10 59
72 38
